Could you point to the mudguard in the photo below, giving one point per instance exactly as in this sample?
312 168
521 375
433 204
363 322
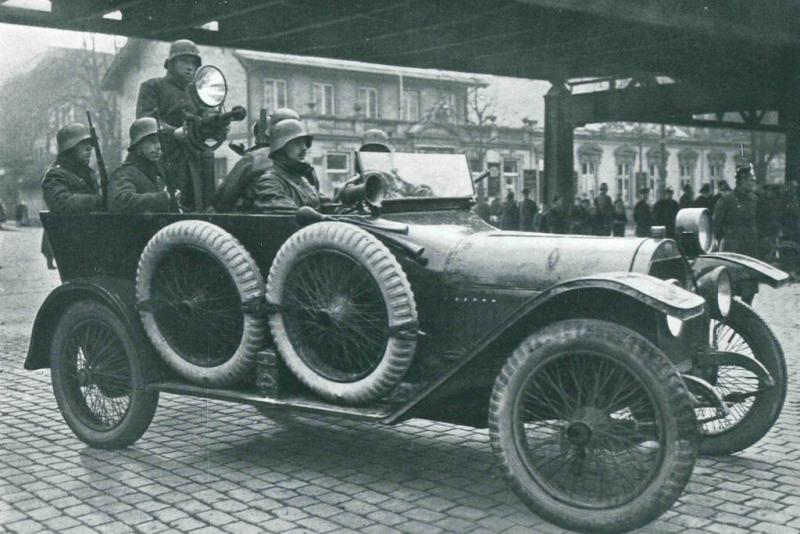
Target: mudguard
664 297
741 267
116 293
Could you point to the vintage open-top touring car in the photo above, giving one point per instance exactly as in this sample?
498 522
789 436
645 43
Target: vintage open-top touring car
599 365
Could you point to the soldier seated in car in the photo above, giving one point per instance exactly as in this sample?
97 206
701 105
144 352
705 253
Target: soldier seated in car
69 184
291 183
139 186
254 163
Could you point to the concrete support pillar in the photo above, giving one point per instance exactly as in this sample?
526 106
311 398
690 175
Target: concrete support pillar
790 119
559 167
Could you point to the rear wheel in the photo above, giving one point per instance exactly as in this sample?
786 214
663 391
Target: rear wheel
753 410
592 427
99 377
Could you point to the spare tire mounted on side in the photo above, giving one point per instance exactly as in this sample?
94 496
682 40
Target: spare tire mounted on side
345 320
193 284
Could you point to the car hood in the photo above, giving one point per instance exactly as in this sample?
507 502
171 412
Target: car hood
524 260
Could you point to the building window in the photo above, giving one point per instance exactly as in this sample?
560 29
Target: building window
589 168
275 94
411 106
686 170
368 98
337 168
323 98
652 169
511 172
715 171
452 106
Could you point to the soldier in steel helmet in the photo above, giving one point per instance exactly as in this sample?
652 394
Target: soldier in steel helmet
291 183
168 100
69 184
138 186
254 163
735 221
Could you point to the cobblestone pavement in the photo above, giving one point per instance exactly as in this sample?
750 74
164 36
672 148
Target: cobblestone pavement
207 466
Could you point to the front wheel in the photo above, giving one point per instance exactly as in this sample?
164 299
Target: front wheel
592 427
753 408
99 377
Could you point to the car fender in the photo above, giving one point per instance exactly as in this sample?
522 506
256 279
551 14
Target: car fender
116 293
741 267
658 295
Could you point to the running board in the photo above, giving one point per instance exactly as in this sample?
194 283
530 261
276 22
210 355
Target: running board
284 404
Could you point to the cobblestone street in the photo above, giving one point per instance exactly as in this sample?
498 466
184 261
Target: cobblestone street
206 466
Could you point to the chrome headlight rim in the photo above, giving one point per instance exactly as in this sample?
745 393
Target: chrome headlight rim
716 287
724 293
675 325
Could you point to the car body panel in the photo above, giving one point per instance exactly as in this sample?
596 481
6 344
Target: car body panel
741 267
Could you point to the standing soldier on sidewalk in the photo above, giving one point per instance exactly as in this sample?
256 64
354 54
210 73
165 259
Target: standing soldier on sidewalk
69 184
527 211
735 222
603 210
642 214
167 99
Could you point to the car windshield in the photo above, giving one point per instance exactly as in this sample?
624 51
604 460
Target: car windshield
420 175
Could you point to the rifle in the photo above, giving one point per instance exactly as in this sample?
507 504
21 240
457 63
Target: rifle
101 165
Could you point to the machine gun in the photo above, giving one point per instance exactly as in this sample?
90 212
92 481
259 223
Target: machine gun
101 165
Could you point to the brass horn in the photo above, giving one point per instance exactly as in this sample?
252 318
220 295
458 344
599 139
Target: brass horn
371 189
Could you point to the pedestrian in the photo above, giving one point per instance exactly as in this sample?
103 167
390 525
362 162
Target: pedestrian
291 183
687 198
581 219
138 185
604 209
495 211
2 215
722 188
540 219
254 163
21 214
556 219
167 99
642 214
481 208
704 200
509 219
69 184
527 211
735 222
665 211
619 220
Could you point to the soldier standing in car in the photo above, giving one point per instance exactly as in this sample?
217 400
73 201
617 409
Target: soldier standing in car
138 186
69 184
167 99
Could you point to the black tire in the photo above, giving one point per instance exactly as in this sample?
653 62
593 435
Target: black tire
592 427
192 283
743 332
346 319
99 377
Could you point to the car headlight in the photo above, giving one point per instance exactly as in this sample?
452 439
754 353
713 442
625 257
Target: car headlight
674 325
694 231
716 288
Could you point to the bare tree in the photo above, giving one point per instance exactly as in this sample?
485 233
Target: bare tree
102 104
764 146
481 122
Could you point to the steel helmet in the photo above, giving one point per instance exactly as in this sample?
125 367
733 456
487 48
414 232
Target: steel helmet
375 140
281 114
183 47
287 130
70 135
141 128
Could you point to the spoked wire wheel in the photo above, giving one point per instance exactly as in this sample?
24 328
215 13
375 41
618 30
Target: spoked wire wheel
589 430
198 291
98 377
344 319
592 426
753 406
197 306
335 315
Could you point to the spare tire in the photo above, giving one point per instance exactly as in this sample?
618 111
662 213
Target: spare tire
199 293
343 313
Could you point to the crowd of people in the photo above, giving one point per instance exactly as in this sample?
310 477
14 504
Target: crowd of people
754 216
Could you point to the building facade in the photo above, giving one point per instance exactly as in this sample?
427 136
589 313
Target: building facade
426 111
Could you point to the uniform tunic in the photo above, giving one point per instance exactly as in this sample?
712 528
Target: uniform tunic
253 164
286 185
138 186
167 100
70 187
735 223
